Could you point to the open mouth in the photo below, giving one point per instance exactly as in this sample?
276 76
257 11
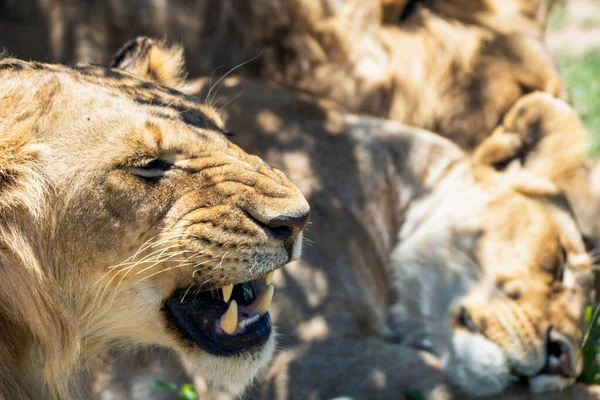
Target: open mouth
559 359
226 321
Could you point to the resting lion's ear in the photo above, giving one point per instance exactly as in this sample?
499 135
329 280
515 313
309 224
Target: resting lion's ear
152 60
543 136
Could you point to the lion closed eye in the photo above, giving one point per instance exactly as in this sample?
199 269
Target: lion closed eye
127 218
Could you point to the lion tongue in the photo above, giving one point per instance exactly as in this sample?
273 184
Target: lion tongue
560 364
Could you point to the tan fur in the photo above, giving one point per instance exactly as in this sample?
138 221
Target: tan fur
451 66
458 234
89 250
154 61
412 231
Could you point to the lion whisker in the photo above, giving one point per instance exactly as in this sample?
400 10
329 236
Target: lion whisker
142 248
594 252
209 99
201 286
230 100
127 270
150 243
191 284
183 264
169 257
210 83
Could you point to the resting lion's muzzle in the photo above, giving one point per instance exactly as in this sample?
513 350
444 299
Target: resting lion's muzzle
559 355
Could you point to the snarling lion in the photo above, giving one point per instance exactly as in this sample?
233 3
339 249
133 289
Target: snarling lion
451 66
129 219
428 268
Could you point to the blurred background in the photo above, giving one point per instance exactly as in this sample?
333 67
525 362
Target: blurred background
574 39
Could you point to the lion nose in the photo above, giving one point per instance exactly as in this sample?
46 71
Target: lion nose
285 227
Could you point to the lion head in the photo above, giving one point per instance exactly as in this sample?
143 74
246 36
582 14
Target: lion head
129 219
498 270
492 261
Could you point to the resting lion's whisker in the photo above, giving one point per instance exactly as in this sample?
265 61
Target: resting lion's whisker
595 256
594 251
307 240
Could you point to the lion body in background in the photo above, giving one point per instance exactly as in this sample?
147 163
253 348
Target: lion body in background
450 66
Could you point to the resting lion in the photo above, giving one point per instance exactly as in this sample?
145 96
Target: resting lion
451 66
128 219
426 268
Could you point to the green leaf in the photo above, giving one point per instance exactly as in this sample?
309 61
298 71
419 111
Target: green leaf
188 392
413 394
164 385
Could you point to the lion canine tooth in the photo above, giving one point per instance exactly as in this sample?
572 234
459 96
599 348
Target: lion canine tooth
297 248
227 292
269 277
262 303
229 320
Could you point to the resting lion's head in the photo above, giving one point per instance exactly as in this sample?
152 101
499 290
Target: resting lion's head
494 261
128 218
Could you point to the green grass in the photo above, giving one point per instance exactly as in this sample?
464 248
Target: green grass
591 348
582 77
185 392
558 18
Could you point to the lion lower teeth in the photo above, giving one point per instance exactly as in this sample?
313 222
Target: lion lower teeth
269 277
229 320
246 322
262 303
227 292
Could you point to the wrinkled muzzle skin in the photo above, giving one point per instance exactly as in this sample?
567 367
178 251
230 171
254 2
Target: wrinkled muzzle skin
144 201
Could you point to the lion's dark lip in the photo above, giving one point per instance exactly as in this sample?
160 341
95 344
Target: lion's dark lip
196 319
559 358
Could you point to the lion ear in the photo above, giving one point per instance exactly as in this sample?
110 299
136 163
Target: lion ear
22 182
543 137
152 60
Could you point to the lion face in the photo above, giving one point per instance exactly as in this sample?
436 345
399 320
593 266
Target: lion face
494 261
524 318
501 280
154 228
